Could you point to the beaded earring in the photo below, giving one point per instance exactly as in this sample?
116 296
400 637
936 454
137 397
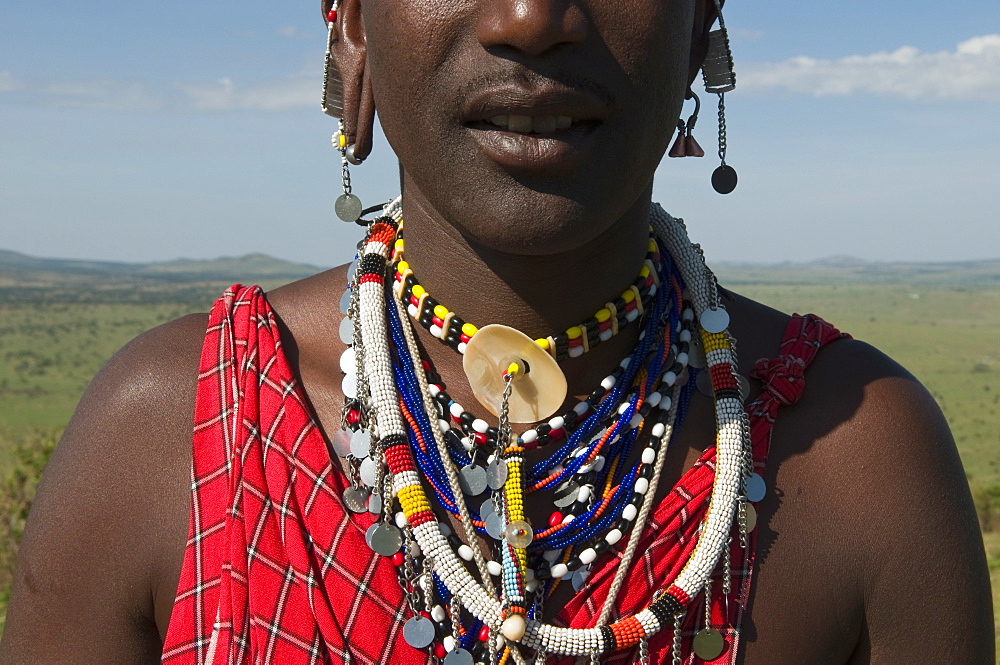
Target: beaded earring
348 206
719 78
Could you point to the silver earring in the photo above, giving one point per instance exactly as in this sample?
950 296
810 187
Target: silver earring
719 78
348 206
333 86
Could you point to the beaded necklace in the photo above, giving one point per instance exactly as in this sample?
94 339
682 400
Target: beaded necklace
399 405
576 340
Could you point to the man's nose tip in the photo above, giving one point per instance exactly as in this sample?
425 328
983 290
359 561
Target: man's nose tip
532 27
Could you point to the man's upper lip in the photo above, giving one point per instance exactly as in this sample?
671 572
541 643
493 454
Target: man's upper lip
534 101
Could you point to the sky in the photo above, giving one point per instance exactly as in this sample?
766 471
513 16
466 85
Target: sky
154 131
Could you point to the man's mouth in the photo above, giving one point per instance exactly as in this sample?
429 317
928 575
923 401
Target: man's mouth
547 127
527 124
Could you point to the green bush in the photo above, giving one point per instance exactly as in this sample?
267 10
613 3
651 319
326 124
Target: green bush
24 458
987 500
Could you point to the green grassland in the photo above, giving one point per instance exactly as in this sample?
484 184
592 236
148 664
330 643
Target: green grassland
56 332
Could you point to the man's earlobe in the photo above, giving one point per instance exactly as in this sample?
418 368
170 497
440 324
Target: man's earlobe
348 58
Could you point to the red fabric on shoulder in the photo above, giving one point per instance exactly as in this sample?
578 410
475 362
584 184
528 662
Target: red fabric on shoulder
276 569
668 542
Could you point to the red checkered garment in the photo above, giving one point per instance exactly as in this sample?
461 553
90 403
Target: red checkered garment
276 569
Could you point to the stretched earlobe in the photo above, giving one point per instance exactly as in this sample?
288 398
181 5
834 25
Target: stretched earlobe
347 66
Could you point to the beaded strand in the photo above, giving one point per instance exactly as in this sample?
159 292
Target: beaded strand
388 396
576 340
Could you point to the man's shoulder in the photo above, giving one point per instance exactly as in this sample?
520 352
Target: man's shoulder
116 490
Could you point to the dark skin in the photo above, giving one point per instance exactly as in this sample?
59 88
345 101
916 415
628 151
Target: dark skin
869 550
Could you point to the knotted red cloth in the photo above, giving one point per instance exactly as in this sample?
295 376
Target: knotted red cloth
276 570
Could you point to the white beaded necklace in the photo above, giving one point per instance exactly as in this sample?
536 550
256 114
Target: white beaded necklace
374 363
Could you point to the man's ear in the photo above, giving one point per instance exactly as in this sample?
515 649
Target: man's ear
704 16
350 56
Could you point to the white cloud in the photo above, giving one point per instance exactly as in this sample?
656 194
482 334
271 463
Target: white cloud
99 93
744 34
8 82
277 95
970 72
283 94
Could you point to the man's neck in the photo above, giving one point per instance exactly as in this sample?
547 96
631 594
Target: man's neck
539 295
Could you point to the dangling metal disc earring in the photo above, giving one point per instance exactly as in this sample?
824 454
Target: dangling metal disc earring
347 206
719 79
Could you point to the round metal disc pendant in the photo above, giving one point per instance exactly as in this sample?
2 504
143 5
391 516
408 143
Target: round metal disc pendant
419 632
696 355
342 442
708 644
375 503
744 386
488 508
580 576
349 360
345 301
349 385
370 532
346 330
369 472
348 207
356 499
565 494
496 474
751 513
755 488
459 657
472 479
535 395
386 539
714 320
494 526
724 179
361 442
704 383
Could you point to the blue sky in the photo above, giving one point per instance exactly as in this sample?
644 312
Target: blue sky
142 132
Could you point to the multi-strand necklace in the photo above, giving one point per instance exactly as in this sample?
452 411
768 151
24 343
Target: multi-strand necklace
413 448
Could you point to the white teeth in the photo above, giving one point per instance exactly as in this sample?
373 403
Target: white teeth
526 124
519 123
544 124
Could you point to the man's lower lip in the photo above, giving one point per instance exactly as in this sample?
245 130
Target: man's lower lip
533 152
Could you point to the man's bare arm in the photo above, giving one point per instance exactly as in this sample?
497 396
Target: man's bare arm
98 565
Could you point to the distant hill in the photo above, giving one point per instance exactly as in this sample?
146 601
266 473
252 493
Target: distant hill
848 269
184 269
29 278
25 278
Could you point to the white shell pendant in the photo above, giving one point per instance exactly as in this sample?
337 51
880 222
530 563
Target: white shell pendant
535 394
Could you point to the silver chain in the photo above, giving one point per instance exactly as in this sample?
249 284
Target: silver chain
456 618
727 576
722 127
676 646
345 172
409 581
643 651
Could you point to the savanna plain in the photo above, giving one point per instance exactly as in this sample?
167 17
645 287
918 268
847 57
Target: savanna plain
61 320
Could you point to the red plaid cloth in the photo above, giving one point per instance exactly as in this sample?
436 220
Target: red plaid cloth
276 570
